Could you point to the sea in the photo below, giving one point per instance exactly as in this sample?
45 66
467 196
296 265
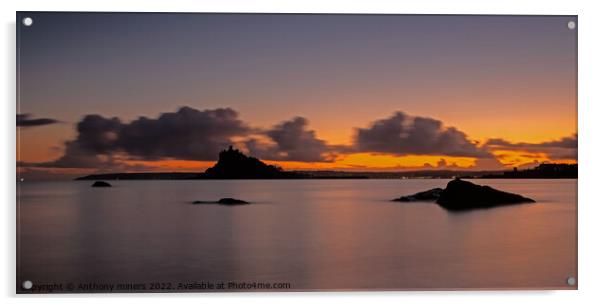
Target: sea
296 235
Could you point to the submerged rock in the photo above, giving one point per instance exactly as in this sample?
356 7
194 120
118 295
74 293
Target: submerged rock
429 195
101 184
223 201
462 195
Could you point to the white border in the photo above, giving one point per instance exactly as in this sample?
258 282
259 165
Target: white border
590 48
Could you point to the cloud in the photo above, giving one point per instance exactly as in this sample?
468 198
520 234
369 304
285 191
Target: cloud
187 134
97 134
25 120
199 135
93 146
401 134
564 148
291 141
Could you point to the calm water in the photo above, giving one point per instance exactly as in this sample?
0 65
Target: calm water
313 234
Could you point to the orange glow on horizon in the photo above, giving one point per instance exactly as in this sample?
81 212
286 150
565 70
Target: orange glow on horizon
516 158
346 162
170 165
351 162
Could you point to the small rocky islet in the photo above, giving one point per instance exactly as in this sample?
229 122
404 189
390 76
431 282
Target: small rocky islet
101 184
224 201
464 195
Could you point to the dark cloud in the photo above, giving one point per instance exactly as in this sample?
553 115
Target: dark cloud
401 134
565 142
191 134
187 134
93 147
25 120
564 148
97 134
292 141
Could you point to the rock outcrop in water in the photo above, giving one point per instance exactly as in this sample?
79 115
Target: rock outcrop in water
464 195
223 201
429 195
101 184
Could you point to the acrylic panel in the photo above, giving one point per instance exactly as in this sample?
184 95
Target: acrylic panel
201 152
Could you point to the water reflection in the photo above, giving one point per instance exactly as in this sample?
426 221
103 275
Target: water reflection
337 234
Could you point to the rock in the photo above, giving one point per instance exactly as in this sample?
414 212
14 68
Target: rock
429 195
231 201
462 195
101 184
224 201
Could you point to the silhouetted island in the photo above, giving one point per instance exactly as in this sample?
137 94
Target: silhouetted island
464 195
233 164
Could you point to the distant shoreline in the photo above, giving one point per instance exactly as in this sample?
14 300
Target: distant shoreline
195 176
318 175
234 165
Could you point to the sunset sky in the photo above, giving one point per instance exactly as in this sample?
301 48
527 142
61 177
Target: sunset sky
166 92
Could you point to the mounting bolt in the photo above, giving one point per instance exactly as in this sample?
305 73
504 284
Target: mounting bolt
27 285
27 21
571 281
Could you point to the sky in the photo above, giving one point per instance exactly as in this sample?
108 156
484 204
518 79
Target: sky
166 92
